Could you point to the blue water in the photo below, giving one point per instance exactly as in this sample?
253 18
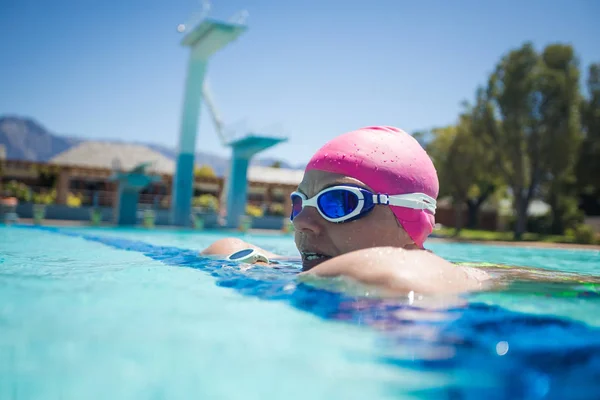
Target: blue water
133 314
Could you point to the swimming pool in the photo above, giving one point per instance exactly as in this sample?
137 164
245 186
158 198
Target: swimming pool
134 314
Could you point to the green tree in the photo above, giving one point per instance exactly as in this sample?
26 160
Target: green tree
424 137
463 166
276 164
588 168
530 118
487 181
204 171
445 150
561 121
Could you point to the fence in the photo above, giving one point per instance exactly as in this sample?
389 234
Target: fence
487 219
81 202
594 222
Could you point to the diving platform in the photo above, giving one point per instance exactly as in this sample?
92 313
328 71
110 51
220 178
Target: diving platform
204 41
130 184
242 151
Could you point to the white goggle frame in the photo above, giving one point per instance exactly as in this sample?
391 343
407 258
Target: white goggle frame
417 201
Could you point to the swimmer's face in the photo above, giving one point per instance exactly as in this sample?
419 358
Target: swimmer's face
318 239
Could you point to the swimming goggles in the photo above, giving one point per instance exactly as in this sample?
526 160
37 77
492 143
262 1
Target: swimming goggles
347 203
249 256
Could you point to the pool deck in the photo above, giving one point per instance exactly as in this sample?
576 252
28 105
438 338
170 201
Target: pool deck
57 222
572 246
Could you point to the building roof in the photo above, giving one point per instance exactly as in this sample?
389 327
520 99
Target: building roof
122 156
125 157
282 176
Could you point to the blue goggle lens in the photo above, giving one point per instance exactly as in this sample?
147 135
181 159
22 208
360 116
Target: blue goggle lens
241 254
296 205
337 203
333 204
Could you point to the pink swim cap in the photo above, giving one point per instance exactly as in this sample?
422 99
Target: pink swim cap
389 161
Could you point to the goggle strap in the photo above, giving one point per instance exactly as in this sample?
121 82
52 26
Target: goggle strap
419 201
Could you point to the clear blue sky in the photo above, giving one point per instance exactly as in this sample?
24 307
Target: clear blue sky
308 69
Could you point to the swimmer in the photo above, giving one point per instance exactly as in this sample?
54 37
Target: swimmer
363 210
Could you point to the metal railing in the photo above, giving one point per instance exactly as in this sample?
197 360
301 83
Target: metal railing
104 198
98 198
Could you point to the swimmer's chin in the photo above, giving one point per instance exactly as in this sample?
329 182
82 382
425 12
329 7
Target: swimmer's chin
309 263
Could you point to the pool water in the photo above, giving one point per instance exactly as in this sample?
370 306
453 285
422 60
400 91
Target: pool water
100 313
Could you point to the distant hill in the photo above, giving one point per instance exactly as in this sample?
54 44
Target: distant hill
26 139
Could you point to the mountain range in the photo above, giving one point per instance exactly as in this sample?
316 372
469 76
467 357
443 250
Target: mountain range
26 139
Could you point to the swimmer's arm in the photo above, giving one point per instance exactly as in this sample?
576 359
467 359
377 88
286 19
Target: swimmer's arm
399 271
227 246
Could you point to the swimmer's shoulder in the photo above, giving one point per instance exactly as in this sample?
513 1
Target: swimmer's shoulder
399 270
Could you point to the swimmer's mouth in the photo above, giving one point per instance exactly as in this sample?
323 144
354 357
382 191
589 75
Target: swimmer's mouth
311 260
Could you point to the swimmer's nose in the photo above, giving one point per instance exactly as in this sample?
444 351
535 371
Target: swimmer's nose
308 220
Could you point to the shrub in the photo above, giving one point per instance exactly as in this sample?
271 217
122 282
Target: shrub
204 171
207 201
18 190
44 198
254 211
539 223
74 200
276 209
582 233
